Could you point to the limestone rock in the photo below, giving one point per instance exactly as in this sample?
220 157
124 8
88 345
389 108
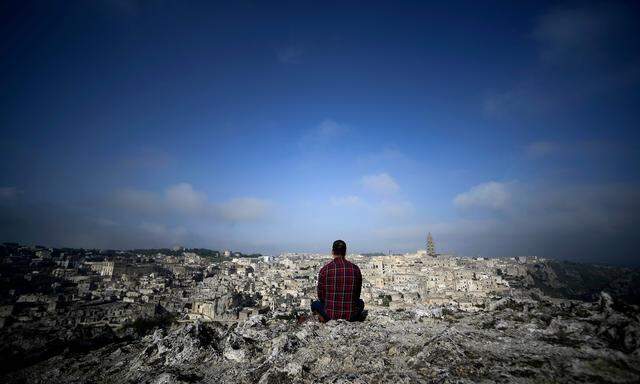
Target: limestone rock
516 340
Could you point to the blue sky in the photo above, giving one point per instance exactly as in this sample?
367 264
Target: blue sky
502 128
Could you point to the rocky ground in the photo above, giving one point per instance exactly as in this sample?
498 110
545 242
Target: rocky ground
513 340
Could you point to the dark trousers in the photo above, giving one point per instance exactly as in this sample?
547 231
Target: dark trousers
317 306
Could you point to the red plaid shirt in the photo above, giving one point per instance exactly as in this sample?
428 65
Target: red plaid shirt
339 285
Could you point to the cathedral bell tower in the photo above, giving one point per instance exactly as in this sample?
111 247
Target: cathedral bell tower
431 247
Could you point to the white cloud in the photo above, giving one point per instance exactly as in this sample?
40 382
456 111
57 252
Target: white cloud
492 195
385 208
347 201
381 183
139 201
182 200
579 222
153 228
244 209
173 235
538 149
182 197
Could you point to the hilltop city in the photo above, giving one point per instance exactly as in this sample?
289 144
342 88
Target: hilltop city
67 287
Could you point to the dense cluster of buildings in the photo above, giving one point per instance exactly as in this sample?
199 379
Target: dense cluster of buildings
42 287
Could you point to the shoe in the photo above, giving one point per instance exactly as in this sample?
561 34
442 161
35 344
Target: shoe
320 317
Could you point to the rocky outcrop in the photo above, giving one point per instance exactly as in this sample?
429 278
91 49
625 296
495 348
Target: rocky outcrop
517 340
23 347
581 281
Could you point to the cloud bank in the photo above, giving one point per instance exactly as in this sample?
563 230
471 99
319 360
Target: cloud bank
492 195
381 183
183 200
130 218
583 52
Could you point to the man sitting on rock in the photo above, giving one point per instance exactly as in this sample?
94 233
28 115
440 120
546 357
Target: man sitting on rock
339 285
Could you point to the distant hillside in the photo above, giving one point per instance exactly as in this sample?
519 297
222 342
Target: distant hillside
585 281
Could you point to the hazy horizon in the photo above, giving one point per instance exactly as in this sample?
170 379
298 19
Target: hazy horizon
504 129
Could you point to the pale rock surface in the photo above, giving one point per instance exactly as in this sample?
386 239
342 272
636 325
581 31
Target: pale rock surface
521 341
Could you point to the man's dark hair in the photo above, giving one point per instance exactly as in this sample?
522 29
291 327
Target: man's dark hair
339 248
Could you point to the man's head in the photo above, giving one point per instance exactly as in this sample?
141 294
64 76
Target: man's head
339 248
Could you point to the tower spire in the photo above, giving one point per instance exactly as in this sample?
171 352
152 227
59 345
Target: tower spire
431 247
